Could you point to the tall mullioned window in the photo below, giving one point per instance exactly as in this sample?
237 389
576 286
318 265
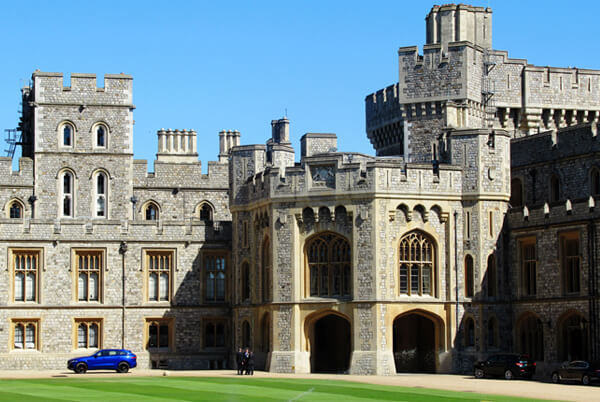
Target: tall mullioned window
214 279
416 262
266 270
528 267
160 333
469 277
329 264
26 268
159 266
570 262
89 265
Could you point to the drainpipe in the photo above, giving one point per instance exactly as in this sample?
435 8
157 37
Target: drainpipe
592 292
122 251
32 199
456 271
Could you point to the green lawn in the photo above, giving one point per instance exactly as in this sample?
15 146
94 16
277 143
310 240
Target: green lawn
220 389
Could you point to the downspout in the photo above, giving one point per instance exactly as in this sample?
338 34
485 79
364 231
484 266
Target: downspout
122 251
592 292
456 272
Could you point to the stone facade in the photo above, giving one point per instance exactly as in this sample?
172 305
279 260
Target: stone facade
472 232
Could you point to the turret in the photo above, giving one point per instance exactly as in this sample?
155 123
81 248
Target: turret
454 23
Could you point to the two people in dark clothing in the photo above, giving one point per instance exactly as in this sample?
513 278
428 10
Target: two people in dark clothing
245 361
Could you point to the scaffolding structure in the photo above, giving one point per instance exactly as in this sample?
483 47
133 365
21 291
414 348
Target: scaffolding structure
13 138
488 88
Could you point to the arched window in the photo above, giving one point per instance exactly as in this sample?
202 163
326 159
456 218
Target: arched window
266 270
15 210
205 212
329 264
492 333
416 261
245 281
151 211
67 132
469 277
595 182
516 193
491 275
67 194
101 195
554 188
469 332
100 132
531 337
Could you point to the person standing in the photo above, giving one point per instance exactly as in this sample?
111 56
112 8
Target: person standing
249 362
239 357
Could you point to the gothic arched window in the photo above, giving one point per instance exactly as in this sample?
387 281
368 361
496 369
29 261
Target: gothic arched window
329 265
266 268
416 261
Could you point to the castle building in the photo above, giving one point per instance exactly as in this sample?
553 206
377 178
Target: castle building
473 230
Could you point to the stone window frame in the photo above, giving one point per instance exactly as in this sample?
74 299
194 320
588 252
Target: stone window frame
469 276
153 266
245 294
85 262
318 271
205 212
94 133
61 134
528 266
97 196
404 269
10 211
570 278
246 333
72 200
554 187
492 276
210 326
87 323
266 269
145 210
25 324
160 323
209 282
13 254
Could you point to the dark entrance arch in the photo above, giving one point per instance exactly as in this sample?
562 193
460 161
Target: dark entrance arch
414 344
331 345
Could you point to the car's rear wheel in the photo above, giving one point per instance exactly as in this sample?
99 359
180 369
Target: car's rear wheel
585 380
555 378
479 373
123 367
80 368
508 375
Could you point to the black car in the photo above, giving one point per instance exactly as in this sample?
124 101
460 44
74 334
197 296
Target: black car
508 366
577 370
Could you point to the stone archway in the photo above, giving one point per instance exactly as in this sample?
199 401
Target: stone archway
415 348
330 345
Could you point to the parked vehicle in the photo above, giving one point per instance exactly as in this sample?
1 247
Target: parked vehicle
508 366
577 370
106 359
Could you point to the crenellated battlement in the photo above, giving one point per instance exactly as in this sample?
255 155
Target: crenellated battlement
21 177
83 90
177 175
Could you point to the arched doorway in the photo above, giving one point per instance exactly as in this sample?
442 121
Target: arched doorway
331 345
573 337
414 344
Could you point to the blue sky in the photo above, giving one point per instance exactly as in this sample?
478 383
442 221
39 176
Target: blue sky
236 65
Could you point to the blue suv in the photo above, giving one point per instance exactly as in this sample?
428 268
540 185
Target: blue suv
108 359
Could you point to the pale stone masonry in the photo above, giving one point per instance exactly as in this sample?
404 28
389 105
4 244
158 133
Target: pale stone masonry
472 232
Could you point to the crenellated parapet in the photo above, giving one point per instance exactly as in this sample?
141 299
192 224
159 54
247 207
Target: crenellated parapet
83 90
177 175
21 177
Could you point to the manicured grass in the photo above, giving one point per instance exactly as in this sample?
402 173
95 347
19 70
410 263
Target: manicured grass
220 389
